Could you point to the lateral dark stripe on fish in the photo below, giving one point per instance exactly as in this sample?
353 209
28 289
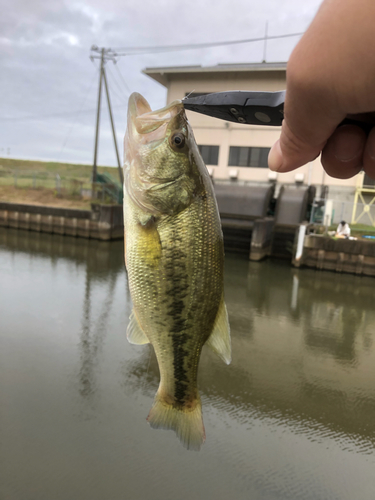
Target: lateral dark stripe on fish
177 276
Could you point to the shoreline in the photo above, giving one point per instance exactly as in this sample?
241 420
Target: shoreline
103 222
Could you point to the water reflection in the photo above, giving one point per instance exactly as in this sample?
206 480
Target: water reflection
103 263
302 340
78 394
302 352
333 330
100 257
93 333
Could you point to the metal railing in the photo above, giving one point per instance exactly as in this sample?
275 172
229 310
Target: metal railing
34 180
106 191
351 212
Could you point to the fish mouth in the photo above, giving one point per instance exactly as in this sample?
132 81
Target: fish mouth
151 125
137 106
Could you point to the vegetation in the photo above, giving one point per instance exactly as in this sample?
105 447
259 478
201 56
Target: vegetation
65 170
361 229
356 230
49 183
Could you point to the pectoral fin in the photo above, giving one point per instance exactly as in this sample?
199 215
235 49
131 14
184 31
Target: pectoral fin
219 340
149 245
134 332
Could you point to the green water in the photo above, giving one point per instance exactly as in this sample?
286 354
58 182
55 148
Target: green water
293 416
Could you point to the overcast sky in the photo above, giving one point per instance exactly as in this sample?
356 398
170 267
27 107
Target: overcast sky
49 85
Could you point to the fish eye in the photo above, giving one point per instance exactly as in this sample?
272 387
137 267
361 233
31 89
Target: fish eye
178 140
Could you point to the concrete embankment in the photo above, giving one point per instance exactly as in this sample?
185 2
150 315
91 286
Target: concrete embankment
341 255
103 222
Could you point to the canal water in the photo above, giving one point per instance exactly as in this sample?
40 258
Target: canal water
293 416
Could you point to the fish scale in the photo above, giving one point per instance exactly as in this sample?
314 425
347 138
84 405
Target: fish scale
176 298
174 257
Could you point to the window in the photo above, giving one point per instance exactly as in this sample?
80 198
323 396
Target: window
210 154
248 157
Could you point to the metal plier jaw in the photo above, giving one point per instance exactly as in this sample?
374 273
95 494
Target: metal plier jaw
252 108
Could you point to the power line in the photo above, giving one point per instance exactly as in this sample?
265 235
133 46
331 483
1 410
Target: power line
128 51
123 79
118 86
36 117
55 115
78 113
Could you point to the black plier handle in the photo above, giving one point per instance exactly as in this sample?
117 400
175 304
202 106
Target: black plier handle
255 108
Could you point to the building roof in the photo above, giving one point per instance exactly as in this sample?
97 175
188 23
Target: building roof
164 75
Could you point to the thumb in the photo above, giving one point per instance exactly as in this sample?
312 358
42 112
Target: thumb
292 151
330 73
305 130
311 111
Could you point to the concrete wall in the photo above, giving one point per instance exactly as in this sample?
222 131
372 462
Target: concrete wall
340 255
104 222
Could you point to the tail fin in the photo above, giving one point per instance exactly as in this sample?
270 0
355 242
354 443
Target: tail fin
187 424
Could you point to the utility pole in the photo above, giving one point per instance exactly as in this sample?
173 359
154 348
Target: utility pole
113 128
95 167
105 55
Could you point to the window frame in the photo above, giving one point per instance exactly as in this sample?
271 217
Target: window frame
245 156
213 153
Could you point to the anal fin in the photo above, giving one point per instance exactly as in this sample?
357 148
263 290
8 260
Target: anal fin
219 340
134 332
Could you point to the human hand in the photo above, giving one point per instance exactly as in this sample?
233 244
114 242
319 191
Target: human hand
330 74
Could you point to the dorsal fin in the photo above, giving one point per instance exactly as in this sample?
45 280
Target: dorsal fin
219 340
134 332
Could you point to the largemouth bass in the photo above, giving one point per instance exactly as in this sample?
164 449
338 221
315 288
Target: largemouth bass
174 256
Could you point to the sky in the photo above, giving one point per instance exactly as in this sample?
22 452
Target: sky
49 85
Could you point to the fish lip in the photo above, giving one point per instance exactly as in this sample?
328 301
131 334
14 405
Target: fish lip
137 105
147 121
164 114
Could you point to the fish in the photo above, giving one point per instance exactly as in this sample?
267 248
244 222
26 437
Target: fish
174 257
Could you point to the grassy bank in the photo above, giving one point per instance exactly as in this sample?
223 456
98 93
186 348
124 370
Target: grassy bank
47 183
42 196
357 230
65 170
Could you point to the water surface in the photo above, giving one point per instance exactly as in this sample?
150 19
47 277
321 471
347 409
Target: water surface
293 416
